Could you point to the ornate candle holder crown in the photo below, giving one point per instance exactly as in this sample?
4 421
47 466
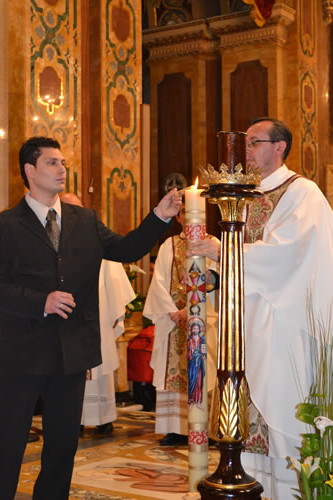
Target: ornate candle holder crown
211 176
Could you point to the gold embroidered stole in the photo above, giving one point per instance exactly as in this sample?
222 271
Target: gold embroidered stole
176 372
260 210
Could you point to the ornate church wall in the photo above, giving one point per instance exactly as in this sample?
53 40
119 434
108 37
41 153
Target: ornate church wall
44 82
282 69
50 53
121 92
185 103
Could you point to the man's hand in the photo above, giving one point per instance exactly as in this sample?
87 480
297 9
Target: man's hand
206 248
169 205
59 303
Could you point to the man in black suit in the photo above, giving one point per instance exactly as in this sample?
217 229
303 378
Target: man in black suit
49 324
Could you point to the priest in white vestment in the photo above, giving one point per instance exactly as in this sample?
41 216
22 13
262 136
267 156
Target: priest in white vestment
288 254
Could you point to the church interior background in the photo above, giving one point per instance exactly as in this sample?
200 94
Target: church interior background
136 90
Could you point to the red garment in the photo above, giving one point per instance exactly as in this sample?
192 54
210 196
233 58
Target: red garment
261 10
138 356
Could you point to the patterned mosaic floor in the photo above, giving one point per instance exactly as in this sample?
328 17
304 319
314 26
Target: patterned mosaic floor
128 465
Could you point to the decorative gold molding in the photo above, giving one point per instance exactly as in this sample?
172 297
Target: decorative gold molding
277 33
236 487
172 50
207 36
241 30
181 40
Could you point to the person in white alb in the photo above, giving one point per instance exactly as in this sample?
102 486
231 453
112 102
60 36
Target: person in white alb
288 255
115 292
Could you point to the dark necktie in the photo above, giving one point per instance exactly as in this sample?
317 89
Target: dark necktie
52 228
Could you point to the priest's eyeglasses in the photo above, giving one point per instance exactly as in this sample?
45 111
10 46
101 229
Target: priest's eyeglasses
253 143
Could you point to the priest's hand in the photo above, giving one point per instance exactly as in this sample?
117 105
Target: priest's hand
179 317
205 248
169 205
212 280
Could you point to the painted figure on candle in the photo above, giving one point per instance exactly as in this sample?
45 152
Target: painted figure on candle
196 355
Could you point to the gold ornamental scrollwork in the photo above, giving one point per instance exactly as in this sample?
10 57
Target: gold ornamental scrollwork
229 414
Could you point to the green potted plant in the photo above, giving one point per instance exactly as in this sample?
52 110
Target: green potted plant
315 467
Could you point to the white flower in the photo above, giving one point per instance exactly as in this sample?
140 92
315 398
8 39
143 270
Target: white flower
321 423
309 465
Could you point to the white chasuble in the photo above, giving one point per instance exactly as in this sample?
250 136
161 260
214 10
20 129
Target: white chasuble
292 260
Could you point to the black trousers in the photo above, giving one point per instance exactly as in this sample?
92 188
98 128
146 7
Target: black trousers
62 398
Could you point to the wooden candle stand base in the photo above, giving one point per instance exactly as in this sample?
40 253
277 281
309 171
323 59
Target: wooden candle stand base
230 481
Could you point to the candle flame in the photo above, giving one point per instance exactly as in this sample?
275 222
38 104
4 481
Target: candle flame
196 183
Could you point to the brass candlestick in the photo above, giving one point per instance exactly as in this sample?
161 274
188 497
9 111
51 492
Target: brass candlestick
230 188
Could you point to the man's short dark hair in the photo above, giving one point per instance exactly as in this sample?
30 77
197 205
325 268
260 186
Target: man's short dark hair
278 132
30 152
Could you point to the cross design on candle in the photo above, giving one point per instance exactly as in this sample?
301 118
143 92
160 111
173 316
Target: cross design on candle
197 285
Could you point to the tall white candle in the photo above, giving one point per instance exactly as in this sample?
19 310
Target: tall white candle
195 215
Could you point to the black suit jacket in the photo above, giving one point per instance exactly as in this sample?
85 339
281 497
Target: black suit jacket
30 269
